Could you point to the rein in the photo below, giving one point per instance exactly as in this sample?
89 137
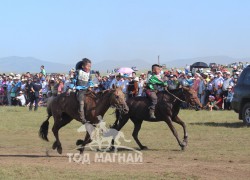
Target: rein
175 96
178 98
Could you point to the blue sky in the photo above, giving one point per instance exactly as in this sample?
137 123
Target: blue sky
66 31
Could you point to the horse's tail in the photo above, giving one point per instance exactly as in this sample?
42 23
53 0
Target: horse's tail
43 132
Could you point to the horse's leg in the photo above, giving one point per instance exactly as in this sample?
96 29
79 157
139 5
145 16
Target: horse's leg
137 127
180 122
87 140
118 127
118 116
83 143
60 121
168 120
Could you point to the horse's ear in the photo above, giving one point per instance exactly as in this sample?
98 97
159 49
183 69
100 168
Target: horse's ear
114 86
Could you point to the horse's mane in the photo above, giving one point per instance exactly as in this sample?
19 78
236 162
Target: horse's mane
99 94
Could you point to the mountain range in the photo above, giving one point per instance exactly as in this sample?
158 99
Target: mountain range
18 64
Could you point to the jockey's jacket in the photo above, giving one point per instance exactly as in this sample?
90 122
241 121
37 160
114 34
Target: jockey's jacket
83 80
154 80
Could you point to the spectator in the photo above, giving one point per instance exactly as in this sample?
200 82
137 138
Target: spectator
13 94
96 88
97 78
134 75
44 87
228 99
53 87
43 71
27 75
188 81
28 91
132 87
218 83
202 89
141 85
211 103
16 86
23 84
60 85
218 101
36 88
123 83
114 80
21 101
104 84
173 82
9 87
234 70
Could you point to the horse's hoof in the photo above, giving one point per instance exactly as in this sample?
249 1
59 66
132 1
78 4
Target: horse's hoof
144 148
59 150
80 150
111 149
183 146
184 143
79 142
54 146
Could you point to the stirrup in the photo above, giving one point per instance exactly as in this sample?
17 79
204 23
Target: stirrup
152 117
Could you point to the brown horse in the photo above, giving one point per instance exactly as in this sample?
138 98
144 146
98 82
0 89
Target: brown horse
167 110
65 108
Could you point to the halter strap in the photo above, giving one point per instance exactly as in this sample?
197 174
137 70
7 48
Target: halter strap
175 96
178 98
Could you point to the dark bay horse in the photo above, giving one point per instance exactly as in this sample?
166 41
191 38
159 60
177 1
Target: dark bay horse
167 110
65 108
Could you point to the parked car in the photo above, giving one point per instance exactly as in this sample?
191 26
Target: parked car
241 98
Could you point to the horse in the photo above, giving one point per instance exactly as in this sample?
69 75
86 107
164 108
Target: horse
64 109
167 109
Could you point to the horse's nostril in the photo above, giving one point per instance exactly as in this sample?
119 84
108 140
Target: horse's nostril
125 110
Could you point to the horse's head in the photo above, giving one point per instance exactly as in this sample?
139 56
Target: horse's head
192 98
118 100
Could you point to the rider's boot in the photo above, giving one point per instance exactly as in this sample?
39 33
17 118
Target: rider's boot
152 114
81 113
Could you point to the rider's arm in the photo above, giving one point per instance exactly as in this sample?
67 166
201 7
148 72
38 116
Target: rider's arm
155 80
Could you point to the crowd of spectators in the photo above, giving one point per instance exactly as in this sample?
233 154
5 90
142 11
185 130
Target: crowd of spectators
214 85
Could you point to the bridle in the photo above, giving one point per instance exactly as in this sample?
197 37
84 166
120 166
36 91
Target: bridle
177 98
119 107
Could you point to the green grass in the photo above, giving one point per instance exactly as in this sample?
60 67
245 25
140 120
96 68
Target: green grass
218 149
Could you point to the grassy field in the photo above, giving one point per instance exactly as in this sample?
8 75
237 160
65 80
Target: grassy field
219 148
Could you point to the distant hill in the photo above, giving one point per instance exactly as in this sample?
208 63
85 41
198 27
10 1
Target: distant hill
109 65
224 60
29 64
23 64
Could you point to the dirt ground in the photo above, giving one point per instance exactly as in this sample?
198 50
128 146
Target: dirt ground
215 151
157 163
